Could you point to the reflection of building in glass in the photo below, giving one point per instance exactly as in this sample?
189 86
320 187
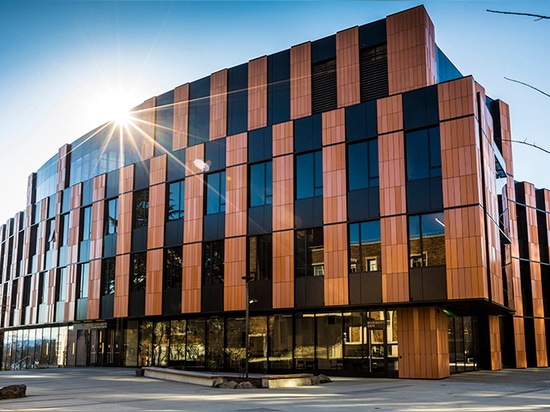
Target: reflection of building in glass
361 182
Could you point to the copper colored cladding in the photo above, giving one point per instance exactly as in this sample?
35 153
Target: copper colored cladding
157 203
411 50
218 104
334 191
191 278
336 264
122 285
181 117
234 267
236 201
237 149
347 67
194 196
283 269
395 276
300 81
257 93
94 290
495 342
153 282
62 168
423 343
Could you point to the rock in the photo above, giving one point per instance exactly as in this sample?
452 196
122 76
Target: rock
245 385
139 372
228 385
13 391
324 379
315 380
218 382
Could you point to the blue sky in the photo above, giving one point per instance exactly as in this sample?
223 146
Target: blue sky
64 64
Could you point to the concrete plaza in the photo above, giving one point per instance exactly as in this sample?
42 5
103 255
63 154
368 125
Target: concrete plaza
119 389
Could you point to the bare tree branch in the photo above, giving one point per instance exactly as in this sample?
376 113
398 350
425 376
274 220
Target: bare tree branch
525 142
528 85
538 16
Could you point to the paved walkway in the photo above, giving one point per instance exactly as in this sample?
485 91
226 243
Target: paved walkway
118 389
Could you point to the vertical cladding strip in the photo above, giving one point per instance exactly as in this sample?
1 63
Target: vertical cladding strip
155 236
124 241
462 191
283 216
533 245
218 104
411 50
347 67
193 233
423 343
492 215
514 283
257 93
146 117
393 222
494 342
181 117
63 167
96 247
300 81
235 222
334 208
283 269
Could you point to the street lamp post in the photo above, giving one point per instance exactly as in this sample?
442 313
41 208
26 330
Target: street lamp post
247 279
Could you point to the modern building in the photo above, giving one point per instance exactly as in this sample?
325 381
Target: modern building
358 185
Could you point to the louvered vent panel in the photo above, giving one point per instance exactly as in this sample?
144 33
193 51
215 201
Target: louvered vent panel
374 73
324 86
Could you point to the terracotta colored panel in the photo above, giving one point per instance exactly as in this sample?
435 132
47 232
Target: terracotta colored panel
237 149
283 192
126 179
423 343
456 98
391 155
519 342
122 279
145 118
334 127
218 104
181 117
283 138
283 269
236 214
334 187
257 93
390 114
62 168
395 273
191 278
235 268
195 161
300 81
494 342
347 67
157 213
158 169
336 264
124 234
98 225
94 290
153 282
411 50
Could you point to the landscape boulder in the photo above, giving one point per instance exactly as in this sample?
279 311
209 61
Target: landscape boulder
13 391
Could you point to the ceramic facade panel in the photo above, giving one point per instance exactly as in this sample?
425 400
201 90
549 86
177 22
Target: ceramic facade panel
395 277
257 93
347 67
191 278
283 139
336 264
218 104
234 268
283 192
391 166
283 269
181 117
300 81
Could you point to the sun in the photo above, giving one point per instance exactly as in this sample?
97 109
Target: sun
113 105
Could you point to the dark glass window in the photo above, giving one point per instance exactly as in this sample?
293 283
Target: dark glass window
199 111
215 154
43 286
309 175
176 201
260 144
261 186
215 193
309 252
83 279
86 223
260 257
173 268
374 72
164 123
176 165
111 217
237 99
426 240
141 208
365 248
363 165
50 234
278 87
423 154
64 230
61 285
420 108
138 272
323 86
361 121
213 261
308 133
108 277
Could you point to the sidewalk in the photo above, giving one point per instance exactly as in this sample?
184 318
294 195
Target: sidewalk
118 389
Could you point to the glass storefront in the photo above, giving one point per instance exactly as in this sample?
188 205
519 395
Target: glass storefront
362 343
